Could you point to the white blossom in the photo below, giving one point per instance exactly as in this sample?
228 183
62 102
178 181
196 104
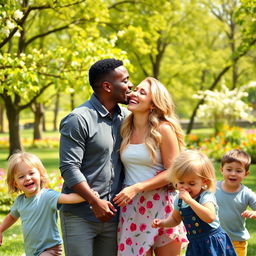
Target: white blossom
224 105
10 24
18 14
6 31
120 33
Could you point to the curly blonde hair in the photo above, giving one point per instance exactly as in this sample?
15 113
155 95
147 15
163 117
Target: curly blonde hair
193 162
164 111
13 165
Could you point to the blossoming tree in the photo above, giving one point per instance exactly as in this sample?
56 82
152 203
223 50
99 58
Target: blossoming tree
224 106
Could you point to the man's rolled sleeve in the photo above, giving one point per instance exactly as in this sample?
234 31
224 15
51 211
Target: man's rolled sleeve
72 146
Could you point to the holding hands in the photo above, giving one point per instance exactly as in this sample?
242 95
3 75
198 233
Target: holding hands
103 210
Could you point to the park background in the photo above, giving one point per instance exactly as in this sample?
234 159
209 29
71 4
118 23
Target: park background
202 51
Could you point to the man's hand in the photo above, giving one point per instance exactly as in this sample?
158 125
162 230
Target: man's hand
103 210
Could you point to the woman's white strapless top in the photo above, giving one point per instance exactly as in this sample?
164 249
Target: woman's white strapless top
138 165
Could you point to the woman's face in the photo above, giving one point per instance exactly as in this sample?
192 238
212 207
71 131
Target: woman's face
141 98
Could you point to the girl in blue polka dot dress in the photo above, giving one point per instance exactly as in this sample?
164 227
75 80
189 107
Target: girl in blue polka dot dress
194 176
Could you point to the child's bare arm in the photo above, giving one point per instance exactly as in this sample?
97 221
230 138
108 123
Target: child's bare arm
249 214
205 212
8 221
172 221
72 198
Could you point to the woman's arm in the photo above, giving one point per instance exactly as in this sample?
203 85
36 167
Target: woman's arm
8 221
169 149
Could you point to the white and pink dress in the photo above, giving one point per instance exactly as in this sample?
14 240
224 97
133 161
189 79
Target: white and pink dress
135 234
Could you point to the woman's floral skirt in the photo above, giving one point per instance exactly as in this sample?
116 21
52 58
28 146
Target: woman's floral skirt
135 234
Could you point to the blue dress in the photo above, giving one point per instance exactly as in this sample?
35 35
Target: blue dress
203 239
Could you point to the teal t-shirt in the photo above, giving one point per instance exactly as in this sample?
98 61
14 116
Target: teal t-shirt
231 206
39 220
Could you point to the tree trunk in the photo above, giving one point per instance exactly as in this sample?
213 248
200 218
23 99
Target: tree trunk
38 115
192 118
44 122
56 111
72 100
213 85
13 115
1 118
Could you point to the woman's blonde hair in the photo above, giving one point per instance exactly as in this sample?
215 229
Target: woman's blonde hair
13 165
193 162
163 111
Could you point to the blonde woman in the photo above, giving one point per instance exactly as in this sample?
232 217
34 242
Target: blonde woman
152 138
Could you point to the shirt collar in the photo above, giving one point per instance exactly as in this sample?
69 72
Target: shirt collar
101 109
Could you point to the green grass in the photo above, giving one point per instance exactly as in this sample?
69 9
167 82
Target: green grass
13 241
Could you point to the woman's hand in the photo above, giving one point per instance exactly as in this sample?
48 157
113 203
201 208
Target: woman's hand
126 195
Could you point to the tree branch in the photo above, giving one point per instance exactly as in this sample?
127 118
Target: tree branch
26 13
35 97
121 2
54 30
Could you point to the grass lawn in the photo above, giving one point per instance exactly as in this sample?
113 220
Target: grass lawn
13 241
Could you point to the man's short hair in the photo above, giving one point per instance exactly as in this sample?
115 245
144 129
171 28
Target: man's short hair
237 155
99 70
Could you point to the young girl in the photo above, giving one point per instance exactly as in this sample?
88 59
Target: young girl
37 206
193 174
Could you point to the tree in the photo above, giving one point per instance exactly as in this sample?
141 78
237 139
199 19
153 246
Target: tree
243 16
71 42
224 106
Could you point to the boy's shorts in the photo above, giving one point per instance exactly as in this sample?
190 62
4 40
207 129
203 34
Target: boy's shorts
240 247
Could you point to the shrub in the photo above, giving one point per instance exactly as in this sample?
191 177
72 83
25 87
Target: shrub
224 141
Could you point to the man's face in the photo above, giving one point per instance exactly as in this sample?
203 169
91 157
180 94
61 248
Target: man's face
120 85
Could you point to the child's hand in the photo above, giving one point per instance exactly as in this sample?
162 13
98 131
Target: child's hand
249 214
1 238
185 196
157 223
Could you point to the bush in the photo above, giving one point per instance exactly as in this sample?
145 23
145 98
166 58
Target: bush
224 141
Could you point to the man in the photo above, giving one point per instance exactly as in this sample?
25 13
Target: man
89 160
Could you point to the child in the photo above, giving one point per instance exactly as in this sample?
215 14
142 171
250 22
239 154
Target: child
233 198
37 207
193 174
